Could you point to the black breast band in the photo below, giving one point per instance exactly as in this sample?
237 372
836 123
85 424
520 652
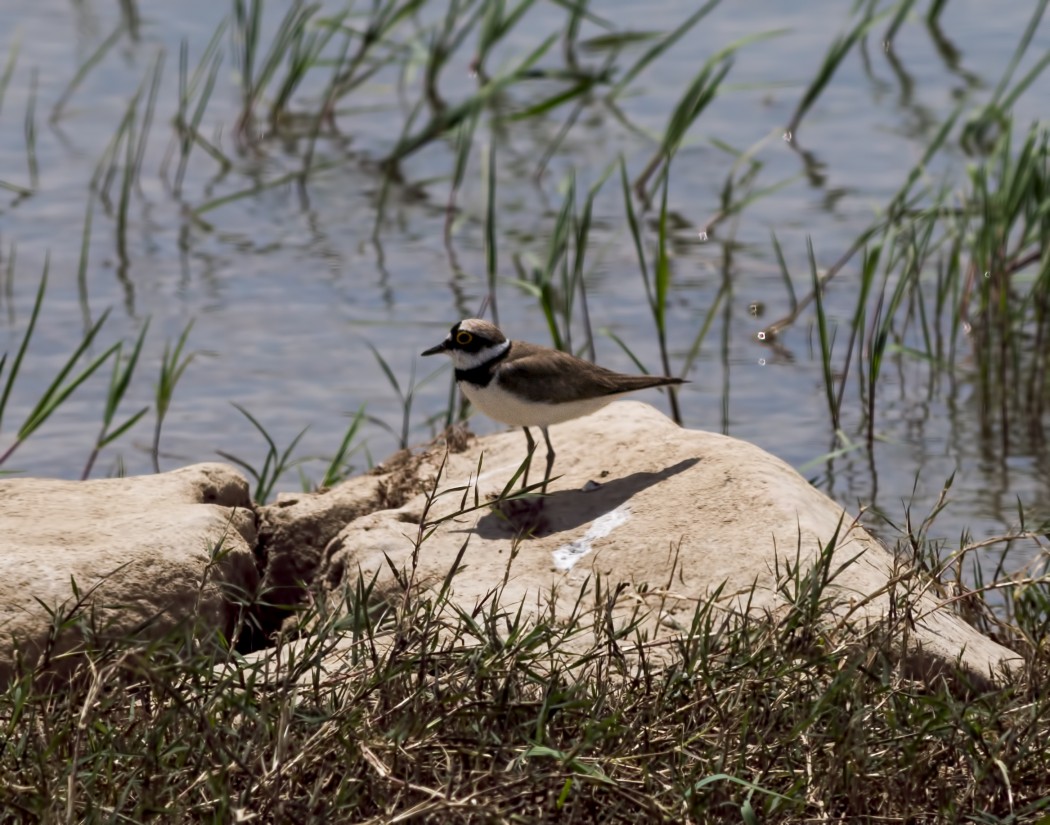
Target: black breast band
482 374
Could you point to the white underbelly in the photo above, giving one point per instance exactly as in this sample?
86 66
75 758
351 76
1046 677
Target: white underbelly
499 404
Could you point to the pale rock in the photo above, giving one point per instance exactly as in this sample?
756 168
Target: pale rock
673 513
140 550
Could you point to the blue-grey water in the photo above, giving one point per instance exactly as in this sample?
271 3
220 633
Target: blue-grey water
289 293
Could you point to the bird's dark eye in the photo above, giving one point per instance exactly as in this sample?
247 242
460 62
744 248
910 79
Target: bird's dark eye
463 337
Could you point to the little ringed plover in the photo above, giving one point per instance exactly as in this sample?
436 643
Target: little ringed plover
527 385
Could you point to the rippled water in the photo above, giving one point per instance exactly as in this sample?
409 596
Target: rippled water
288 293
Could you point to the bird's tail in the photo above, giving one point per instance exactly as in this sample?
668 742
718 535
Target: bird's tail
644 382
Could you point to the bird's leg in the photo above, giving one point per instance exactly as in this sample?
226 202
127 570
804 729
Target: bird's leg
528 458
550 460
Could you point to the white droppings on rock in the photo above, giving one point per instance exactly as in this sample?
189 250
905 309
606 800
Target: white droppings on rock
566 556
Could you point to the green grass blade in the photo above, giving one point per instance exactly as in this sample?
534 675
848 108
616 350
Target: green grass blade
785 275
172 367
191 130
93 60
304 54
556 100
632 224
388 372
898 201
9 69
82 264
452 117
59 391
662 272
582 236
16 365
126 182
147 118
825 337
30 132
1026 81
840 47
491 251
121 378
627 351
123 428
275 464
118 384
264 186
709 318
335 472
1022 47
662 46
692 104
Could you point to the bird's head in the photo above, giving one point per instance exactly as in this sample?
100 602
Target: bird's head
471 342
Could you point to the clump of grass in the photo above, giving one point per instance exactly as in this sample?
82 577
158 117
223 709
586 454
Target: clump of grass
119 382
275 464
187 124
964 273
64 384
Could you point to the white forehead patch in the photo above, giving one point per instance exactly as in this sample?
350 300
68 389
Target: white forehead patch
468 360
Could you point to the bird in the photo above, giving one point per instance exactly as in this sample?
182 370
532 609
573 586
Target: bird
528 385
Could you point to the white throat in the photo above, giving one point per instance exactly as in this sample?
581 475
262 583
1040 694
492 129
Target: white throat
468 360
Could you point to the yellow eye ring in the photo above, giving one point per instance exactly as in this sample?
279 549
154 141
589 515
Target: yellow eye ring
463 338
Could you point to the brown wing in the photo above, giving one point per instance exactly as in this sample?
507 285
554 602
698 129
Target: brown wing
541 374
